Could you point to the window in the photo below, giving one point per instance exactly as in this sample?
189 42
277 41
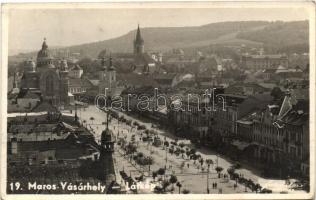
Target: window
50 85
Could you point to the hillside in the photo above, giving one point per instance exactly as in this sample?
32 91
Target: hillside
166 38
285 36
273 35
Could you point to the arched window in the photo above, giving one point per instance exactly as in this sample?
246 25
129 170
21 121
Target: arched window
50 85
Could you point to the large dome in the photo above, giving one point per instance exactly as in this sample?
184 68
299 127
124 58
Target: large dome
44 52
43 56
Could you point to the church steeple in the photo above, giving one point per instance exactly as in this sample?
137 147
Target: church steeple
138 43
44 45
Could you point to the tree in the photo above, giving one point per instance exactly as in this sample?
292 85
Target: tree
155 174
161 171
165 184
257 187
84 122
188 153
182 152
201 161
92 119
209 162
166 143
192 151
219 169
231 170
131 148
181 145
276 93
140 154
173 179
179 185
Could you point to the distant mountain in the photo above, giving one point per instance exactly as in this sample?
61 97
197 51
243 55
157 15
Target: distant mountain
166 38
287 37
279 33
274 34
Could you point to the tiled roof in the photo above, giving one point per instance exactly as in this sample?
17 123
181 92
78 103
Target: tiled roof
294 118
164 78
45 107
65 149
76 67
253 103
37 128
79 82
95 82
27 94
276 56
136 80
269 70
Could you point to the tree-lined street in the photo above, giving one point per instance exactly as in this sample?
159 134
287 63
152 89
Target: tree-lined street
172 156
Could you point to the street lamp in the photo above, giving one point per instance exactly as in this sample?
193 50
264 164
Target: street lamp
166 158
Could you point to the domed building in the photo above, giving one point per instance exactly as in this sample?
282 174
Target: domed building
45 80
43 56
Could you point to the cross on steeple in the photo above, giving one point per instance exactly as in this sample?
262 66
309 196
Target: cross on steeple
44 45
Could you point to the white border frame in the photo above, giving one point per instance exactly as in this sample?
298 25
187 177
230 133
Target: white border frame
309 5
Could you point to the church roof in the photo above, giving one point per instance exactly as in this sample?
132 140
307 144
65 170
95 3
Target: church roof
139 38
79 82
26 94
76 67
45 107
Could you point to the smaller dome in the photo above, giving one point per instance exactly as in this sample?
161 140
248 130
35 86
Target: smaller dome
50 63
64 65
30 66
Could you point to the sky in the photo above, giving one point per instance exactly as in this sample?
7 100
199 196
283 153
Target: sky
64 27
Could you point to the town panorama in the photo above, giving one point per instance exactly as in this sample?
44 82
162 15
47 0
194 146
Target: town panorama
226 116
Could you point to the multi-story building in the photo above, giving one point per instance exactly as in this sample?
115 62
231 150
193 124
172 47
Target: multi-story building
278 135
261 62
192 120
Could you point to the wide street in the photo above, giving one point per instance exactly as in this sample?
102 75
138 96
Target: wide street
189 174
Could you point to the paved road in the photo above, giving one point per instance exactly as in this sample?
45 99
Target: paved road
193 182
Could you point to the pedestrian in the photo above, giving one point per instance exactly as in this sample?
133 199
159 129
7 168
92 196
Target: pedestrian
213 185
188 165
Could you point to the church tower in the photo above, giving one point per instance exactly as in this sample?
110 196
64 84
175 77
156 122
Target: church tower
107 78
138 43
64 82
107 149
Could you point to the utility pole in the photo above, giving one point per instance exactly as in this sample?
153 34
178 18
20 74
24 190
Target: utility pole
207 186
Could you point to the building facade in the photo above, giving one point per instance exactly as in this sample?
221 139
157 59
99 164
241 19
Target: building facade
261 62
46 80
